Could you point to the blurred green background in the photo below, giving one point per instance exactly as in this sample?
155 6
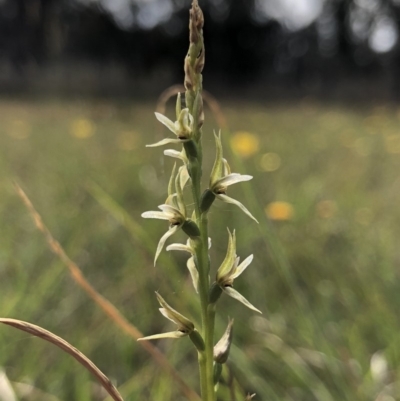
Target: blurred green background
325 270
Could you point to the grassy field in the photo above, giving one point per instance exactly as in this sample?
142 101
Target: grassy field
326 191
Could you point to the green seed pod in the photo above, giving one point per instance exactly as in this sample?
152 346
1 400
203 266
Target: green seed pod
190 228
197 340
190 149
207 200
217 372
215 293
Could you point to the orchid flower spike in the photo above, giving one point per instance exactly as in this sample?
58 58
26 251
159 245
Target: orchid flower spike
182 127
174 211
230 269
185 326
221 178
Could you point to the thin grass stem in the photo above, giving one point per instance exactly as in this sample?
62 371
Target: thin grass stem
69 349
105 305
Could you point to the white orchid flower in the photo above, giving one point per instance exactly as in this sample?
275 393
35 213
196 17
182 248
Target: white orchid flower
185 326
174 209
182 127
221 178
176 219
230 269
191 265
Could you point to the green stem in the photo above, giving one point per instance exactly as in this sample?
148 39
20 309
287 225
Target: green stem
194 63
207 310
209 350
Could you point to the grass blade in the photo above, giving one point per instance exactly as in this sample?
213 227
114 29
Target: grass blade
69 349
108 308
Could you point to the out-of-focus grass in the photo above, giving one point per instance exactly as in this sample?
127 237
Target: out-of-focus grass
325 272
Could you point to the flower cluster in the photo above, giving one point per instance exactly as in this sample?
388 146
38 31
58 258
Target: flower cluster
187 129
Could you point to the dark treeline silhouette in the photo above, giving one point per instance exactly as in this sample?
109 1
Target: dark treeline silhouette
348 47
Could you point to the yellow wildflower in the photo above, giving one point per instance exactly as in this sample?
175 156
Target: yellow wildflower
245 144
82 128
279 211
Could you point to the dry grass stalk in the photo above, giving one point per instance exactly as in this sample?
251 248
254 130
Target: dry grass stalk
108 308
69 349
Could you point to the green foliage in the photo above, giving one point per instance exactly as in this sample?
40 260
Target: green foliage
326 277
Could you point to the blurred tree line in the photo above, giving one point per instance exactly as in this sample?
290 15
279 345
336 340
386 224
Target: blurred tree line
284 45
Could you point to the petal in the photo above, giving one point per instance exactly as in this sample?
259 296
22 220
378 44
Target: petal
241 268
239 297
155 215
184 124
172 212
184 176
165 314
166 121
179 193
164 142
193 273
216 172
178 107
184 324
169 209
227 168
231 179
221 349
171 334
180 247
226 266
171 182
175 154
161 243
227 199
171 201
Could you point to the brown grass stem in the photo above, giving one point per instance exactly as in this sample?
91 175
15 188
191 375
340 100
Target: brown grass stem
108 308
69 349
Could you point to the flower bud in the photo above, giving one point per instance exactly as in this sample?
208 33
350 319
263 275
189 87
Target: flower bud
221 349
184 124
